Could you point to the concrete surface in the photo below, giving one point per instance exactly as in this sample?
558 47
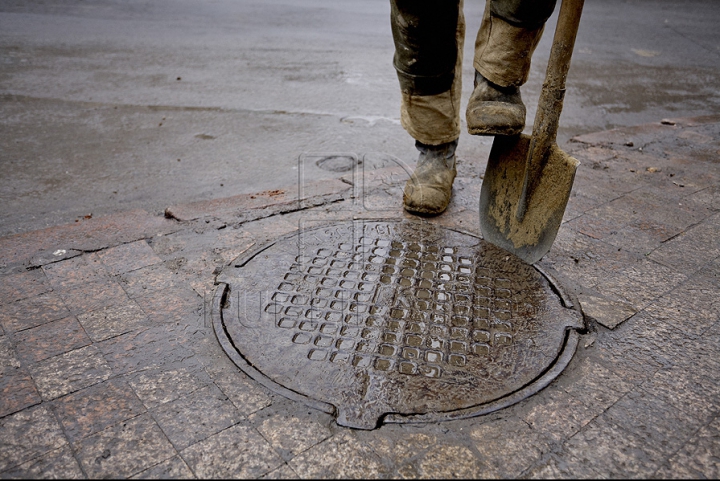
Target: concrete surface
109 105
109 366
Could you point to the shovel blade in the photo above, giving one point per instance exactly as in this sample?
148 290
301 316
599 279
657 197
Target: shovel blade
529 238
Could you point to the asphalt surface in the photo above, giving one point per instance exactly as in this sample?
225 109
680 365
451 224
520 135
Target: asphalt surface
110 105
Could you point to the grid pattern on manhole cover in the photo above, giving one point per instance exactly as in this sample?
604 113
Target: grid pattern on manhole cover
391 317
450 307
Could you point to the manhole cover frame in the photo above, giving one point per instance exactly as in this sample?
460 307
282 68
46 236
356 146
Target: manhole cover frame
552 371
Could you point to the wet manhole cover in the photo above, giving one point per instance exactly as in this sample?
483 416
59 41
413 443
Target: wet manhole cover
394 321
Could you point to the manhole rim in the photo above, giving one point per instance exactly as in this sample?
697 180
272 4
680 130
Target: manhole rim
245 366
565 354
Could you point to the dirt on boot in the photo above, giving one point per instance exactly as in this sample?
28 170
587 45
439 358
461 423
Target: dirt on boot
494 110
428 190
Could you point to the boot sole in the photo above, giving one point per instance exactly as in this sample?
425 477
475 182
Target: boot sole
423 212
495 131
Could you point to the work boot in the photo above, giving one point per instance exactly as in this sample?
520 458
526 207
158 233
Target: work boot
494 110
428 190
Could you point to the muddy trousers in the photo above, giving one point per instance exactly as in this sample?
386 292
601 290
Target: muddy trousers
429 36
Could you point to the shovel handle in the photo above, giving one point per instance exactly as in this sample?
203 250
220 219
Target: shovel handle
551 98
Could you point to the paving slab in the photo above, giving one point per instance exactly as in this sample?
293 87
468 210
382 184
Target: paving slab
36 248
236 452
51 339
27 435
32 312
124 449
91 410
109 366
249 207
18 391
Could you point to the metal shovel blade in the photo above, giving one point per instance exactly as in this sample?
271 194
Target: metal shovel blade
531 237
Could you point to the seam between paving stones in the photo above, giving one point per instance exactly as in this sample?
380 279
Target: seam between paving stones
10 335
671 327
29 266
251 424
159 463
600 204
282 206
177 453
604 242
688 276
565 221
284 464
26 264
243 419
418 454
75 453
601 330
498 417
51 410
552 454
72 446
152 411
557 448
549 445
666 464
666 461
244 422
650 393
688 228
279 454
271 214
180 453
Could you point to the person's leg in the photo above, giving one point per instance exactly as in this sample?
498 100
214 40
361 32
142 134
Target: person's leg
428 58
508 35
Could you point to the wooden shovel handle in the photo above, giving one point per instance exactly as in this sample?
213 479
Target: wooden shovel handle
551 98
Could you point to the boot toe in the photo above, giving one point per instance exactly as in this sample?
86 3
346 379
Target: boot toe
425 199
428 190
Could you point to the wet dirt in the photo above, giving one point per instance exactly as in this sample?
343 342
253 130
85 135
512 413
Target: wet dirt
530 237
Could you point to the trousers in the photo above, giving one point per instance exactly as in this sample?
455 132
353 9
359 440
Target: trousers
429 37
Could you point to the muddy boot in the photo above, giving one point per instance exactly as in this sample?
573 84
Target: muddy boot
494 110
428 190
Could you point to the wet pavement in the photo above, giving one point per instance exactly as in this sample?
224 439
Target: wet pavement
110 366
112 105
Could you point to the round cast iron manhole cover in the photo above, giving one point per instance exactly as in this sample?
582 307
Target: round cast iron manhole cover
338 163
393 321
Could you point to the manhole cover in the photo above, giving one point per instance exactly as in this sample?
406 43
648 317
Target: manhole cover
393 321
337 163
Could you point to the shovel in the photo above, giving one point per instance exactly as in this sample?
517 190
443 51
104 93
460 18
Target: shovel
528 179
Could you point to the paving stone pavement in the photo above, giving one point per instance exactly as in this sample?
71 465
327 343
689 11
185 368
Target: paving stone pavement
109 366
